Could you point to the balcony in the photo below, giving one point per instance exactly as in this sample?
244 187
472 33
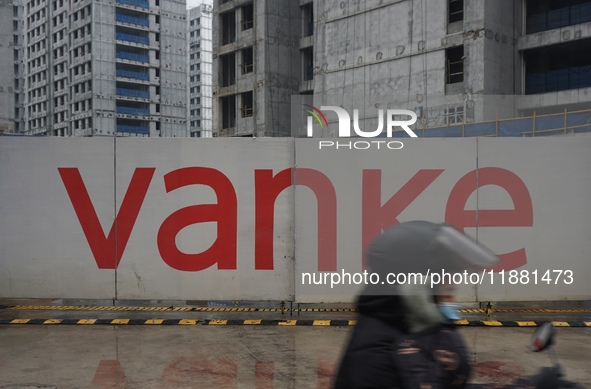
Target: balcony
142 94
133 129
558 67
60 125
558 80
133 75
552 14
132 111
120 36
135 3
132 20
132 57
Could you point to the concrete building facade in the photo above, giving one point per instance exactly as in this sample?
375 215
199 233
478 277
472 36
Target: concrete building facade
7 44
103 68
256 68
200 71
450 61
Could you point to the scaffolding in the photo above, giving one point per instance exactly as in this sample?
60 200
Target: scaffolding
574 122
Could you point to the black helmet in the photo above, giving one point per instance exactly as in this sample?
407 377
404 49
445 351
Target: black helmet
417 247
421 246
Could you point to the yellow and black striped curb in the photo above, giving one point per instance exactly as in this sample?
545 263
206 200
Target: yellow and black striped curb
332 323
169 309
180 322
248 309
478 310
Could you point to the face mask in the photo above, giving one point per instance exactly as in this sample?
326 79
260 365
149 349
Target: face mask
450 311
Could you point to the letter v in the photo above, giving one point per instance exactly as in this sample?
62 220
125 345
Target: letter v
106 255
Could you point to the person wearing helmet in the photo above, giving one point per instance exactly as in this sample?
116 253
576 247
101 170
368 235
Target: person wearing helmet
404 336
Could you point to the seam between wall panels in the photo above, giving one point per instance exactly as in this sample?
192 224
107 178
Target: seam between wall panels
115 212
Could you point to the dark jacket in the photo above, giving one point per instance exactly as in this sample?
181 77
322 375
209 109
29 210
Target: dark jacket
382 354
401 340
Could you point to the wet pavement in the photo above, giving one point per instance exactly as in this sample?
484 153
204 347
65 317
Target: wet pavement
243 356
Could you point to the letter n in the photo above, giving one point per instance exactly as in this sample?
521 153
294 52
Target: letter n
268 187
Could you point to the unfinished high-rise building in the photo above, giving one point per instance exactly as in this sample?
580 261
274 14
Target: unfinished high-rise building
450 61
200 71
453 61
256 47
8 14
102 68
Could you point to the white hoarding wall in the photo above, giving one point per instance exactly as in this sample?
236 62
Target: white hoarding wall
184 225
374 189
195 236
549 234
243 219
43 250
529 200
